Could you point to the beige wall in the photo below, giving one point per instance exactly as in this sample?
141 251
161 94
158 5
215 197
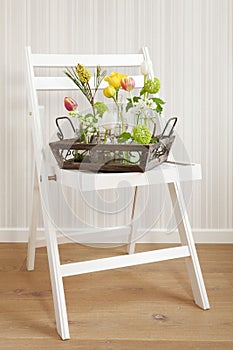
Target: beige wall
191 47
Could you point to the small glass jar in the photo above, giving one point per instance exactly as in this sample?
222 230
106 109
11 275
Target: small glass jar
148 118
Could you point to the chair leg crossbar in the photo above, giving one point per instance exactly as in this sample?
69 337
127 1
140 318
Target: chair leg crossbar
123 261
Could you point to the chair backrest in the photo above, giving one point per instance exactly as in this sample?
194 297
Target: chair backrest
43 74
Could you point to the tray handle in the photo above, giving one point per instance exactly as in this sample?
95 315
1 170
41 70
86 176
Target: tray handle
60 133
170 123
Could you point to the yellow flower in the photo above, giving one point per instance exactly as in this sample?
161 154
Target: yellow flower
114 79
83 73
109 91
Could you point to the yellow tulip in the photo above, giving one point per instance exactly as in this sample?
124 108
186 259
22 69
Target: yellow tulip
114 79
109 91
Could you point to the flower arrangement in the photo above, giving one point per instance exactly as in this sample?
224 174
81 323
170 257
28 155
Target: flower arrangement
125 143
143 107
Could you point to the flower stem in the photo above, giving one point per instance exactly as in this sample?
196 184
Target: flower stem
154 130
120 114
105 135
131 97
91 98
145 93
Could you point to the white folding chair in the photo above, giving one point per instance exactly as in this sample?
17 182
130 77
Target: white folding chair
169 174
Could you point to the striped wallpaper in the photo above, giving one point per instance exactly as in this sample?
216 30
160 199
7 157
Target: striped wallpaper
190 42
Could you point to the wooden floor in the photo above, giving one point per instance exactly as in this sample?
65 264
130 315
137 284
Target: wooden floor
143 307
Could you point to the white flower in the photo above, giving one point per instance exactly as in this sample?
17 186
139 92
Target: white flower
144 108
151 104
146 67
89 120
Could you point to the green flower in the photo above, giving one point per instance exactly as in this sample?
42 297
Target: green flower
151 86
142 134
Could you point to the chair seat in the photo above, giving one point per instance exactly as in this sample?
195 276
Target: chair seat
165 173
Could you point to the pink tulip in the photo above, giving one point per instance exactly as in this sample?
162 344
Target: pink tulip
127 83
70 104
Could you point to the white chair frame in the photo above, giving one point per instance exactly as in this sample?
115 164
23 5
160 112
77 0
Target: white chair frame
170 174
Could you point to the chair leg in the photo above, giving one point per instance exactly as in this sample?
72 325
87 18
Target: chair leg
132 243
33 225
54 263
57 284
186 237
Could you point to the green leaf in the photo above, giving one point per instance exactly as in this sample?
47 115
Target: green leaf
125 136
101 108
136 98
89 115
98 77
158 100
143 91
159 109
128 106
153 140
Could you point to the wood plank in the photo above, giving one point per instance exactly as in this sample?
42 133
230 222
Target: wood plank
146 306
69 60
109 344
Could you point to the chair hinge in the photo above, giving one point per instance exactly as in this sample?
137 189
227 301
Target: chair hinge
52 177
